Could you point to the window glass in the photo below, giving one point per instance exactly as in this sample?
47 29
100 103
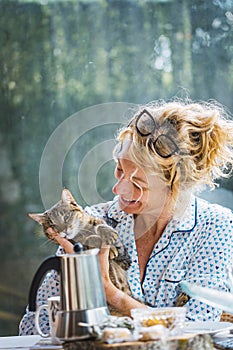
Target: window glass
90 60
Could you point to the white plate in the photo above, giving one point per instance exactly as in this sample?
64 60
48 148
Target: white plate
207 327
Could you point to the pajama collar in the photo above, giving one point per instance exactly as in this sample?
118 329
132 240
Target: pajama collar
183 223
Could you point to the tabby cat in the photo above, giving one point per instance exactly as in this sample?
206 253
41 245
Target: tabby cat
69 219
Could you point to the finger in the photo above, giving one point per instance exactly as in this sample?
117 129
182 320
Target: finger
51 231
103 257
104 263
66 245
104 251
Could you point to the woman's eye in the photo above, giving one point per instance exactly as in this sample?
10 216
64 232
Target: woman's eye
118 171
140 186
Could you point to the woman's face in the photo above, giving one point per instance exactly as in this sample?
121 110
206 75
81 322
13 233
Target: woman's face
137 191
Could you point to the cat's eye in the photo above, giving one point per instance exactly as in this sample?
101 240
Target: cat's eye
66 217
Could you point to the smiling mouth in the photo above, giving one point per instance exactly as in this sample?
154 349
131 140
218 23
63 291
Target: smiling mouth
128 202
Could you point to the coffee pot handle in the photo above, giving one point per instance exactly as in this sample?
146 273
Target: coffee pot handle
51 263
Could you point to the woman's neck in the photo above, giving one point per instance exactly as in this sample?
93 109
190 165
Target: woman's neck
148 226
152 225
147 233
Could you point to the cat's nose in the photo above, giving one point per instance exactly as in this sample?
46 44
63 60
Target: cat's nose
63 234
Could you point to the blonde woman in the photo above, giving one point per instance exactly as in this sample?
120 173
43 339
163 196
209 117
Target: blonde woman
167 152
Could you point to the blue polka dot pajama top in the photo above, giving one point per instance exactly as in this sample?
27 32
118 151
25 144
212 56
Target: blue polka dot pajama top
195 248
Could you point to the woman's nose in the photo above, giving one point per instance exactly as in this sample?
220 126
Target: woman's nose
124 188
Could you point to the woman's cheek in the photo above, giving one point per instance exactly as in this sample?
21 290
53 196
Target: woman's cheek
114 189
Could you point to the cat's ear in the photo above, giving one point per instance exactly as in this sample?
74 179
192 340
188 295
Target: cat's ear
67 197
38 217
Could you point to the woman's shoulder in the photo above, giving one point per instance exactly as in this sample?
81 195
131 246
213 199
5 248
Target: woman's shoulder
213 210
100 209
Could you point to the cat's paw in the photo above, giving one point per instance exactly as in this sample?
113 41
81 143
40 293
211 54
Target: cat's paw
108 235
88 242
93 241
113 252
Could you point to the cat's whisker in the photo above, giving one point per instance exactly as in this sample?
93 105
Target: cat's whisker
46 243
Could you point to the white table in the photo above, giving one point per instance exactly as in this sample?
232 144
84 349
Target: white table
30 343
23 343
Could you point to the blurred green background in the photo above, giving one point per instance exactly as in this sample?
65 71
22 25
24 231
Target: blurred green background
60 57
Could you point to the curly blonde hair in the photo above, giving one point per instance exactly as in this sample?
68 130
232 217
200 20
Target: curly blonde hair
202 135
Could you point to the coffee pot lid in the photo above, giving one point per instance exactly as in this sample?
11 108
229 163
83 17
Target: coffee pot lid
78 249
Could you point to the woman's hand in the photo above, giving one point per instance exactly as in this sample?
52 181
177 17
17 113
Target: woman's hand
104 264
64 243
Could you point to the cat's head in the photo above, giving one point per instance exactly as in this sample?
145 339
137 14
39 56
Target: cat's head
62 216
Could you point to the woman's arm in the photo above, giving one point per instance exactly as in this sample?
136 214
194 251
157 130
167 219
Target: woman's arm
115 297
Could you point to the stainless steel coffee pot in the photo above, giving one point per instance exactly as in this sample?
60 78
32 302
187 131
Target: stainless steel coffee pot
83 304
